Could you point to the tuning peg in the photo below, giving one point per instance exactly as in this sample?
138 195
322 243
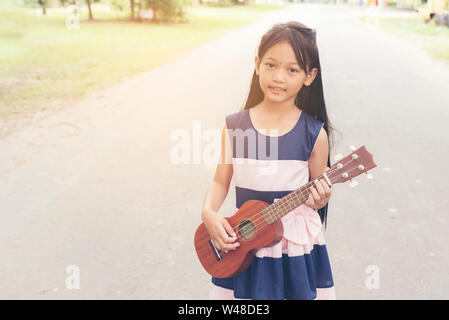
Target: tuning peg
354 183
352 147
338 157
369 175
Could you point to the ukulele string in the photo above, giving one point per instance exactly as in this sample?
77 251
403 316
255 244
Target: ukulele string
260 213
247 229
257 222
245 232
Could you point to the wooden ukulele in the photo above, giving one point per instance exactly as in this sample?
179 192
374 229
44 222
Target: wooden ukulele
258 224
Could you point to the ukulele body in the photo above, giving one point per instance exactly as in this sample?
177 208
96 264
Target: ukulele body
258 232
253 233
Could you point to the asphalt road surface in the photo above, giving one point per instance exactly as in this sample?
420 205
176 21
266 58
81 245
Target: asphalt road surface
93 205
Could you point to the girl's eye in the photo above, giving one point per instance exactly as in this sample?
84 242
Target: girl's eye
270 64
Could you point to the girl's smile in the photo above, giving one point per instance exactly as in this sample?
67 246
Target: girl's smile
276 90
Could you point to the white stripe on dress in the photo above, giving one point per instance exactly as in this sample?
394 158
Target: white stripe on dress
270 175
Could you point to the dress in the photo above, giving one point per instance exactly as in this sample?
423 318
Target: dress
298 266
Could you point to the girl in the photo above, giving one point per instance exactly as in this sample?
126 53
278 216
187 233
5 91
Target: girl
286 94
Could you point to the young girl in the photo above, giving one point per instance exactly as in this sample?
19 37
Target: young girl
286 94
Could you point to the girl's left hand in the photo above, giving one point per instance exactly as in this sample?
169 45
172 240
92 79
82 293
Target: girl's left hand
320 194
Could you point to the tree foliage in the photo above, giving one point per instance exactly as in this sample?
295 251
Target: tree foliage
165 10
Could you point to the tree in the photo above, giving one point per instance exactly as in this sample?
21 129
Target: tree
90 10
41 3
168 9
78 2
132 9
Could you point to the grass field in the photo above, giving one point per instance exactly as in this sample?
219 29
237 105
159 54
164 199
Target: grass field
43 62
434 39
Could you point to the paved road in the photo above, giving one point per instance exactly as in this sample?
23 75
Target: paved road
93 186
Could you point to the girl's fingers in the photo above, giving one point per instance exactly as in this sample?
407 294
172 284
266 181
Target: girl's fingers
315 195
222 246
320 188
228 241
230 231
321 192
223 235
326 188
310 202
225 247
219 245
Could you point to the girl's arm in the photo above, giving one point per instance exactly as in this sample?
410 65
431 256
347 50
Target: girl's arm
317 165
218 227
217 192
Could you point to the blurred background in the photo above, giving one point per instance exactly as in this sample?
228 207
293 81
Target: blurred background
96 96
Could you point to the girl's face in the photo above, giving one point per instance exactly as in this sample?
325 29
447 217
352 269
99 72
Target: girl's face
279 68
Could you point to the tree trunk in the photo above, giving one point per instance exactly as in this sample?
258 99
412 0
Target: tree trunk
132 9
90 10
154 16
44 7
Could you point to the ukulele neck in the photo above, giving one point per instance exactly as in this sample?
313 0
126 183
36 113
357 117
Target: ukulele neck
290 202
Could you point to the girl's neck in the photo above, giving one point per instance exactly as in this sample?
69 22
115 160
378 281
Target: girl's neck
277 108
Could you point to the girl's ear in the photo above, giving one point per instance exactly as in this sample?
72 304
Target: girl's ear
311 76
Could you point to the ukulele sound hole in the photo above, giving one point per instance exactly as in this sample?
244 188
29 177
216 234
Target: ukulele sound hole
246 229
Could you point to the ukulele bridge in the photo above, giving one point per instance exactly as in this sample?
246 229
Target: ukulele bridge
216 252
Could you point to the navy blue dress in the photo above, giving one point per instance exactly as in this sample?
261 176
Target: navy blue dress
267 167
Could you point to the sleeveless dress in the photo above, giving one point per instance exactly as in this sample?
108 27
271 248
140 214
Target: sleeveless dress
298 267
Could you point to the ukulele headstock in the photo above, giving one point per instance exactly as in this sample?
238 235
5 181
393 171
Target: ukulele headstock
354 164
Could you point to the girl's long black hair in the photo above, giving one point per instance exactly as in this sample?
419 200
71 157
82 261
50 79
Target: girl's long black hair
310 98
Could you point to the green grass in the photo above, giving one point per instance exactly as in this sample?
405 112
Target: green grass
43 62
434 39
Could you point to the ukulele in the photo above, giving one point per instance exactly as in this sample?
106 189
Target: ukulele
258 224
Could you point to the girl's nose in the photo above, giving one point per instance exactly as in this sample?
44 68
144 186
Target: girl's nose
279 76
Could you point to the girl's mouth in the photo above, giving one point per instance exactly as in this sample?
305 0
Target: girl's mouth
276 90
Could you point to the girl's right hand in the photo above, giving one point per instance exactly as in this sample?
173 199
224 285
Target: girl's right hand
220 231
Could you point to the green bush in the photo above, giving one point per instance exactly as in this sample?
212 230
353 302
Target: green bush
166 10
120 5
